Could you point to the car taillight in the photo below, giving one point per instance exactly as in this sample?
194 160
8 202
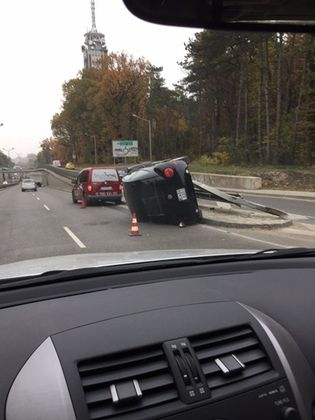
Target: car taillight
90 188
121 187
168 172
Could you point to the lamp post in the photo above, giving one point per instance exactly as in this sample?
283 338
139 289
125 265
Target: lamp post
150 131
95 150
8 151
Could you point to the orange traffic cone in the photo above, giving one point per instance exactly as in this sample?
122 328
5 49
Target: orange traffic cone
82 203
134 231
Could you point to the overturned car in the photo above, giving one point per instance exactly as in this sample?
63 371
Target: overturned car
162 192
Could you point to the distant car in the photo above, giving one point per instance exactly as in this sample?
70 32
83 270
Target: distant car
28 185
97 185
70 165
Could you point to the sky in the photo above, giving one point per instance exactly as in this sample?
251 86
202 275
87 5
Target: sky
41 49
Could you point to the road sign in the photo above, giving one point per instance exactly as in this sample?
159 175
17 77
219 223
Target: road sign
125 148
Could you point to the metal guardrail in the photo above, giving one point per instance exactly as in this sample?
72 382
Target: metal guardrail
212 193
11 184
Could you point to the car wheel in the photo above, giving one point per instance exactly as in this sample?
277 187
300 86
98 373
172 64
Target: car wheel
118 201
35 189
22 190
74 200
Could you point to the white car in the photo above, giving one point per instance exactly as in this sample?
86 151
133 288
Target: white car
28 185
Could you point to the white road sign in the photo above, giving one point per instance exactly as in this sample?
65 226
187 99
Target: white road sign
125 148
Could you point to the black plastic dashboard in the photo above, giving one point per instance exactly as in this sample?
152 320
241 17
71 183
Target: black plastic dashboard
233 341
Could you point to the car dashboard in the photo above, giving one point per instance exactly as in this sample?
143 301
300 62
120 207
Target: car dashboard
211 342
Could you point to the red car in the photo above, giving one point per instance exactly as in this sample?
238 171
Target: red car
97 185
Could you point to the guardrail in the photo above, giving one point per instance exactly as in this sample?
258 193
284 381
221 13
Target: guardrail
11 184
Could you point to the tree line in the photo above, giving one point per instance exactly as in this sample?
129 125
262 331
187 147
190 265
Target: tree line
5 161
246 98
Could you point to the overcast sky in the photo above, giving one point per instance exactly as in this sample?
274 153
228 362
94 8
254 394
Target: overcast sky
41 48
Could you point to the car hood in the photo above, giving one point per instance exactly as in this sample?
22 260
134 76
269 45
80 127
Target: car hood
70 262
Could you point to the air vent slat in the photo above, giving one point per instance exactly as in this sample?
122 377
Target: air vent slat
248 356
102 411
128 360
146 365
217 350
219 380
217 338
97 395
241 342
102 393
130 372
155 382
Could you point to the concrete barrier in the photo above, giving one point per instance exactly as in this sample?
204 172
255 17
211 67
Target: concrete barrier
228 181
55 181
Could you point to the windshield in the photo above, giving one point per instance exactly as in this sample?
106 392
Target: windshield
210 134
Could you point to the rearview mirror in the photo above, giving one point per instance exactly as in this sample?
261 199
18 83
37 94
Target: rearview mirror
275 15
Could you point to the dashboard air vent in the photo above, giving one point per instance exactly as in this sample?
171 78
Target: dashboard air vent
231 357
128 381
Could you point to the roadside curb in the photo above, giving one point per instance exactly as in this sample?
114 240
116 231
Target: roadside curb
276 193
231 220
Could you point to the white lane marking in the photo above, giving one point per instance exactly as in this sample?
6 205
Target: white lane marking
38 198
46 207
33 195
239 235
74 237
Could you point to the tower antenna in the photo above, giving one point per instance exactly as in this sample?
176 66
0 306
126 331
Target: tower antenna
93 16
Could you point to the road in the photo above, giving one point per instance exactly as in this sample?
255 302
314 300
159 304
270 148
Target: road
47 223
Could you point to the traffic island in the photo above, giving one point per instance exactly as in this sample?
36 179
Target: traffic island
227 215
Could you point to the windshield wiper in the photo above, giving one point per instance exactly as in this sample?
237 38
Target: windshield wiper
286 252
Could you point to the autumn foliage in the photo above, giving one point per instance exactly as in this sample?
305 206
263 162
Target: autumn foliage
246 98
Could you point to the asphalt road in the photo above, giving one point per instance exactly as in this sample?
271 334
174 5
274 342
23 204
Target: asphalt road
300 206
47 223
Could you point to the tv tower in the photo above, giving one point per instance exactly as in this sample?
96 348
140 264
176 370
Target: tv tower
94 48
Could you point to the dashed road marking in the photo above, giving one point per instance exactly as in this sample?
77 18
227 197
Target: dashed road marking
250 238
74 237
38 198
46 207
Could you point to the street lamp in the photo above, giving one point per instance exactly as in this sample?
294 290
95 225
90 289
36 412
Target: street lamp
8 151
95 150
150 132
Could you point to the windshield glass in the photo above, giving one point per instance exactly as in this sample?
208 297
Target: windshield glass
210 135
101 175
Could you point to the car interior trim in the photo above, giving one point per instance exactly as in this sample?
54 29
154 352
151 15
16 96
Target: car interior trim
285 363
40 391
